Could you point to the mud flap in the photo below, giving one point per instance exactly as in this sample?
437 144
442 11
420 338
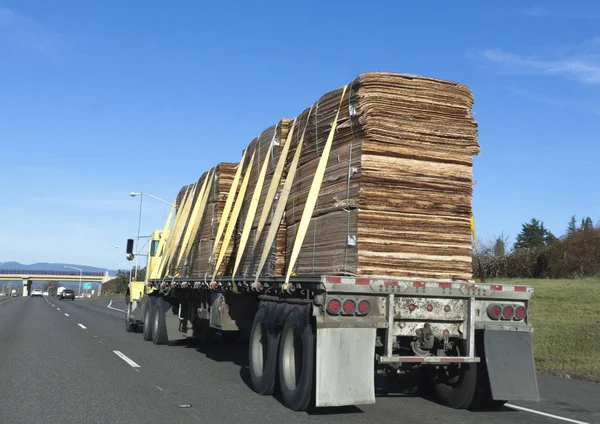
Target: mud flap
510 364
345 366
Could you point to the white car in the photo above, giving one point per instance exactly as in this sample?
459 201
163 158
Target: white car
36 292
45 294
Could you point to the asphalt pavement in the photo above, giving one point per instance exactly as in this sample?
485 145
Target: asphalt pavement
72 362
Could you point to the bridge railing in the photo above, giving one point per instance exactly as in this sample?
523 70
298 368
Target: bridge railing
42 272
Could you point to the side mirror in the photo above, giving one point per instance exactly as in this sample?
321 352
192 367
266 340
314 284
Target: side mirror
129 250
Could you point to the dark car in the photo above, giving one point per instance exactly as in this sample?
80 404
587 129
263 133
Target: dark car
67 294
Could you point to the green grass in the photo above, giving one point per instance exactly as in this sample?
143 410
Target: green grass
566 318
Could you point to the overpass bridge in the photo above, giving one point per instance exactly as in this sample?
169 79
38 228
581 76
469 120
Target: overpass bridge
27 276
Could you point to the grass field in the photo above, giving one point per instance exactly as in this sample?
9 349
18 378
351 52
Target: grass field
566 319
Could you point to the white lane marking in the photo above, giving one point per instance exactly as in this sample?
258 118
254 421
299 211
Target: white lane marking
126 359
66 315
545 414
58 309
114 309
82 326
159 388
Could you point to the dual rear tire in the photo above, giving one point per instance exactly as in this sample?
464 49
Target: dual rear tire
283 355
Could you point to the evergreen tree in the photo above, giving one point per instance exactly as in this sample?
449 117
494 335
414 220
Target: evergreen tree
587 224
534 234
572 227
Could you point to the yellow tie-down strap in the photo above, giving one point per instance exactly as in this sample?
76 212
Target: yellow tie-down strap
249 219
168 237
272 189
161 243
283 197
180 225
313 194
196 218
233 219
227 208
473 231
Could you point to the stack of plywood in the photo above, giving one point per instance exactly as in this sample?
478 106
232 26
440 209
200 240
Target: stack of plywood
396 196
395 199
201 261
276 137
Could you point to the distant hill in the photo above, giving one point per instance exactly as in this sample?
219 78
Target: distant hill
48 266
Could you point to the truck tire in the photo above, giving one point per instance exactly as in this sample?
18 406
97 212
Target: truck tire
458 391
262 352
159 322
148 303
297 360
129 326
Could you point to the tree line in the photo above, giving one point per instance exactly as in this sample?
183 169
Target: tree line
537 253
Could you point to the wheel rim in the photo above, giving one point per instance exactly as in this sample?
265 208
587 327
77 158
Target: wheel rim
258 350
292 358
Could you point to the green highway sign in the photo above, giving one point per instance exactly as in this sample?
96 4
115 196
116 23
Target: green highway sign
87 286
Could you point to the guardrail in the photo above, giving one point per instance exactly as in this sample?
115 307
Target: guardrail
40 272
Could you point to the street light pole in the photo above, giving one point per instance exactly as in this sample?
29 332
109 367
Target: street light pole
80 273
137 240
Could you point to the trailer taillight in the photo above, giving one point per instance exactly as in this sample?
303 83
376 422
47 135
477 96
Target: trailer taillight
508 312
429 308
363 307
334 306
520 313
349 306
494 311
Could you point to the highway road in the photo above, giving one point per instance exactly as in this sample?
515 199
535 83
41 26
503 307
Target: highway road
73 362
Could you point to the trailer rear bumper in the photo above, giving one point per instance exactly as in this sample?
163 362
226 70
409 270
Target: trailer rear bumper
427 359
510 364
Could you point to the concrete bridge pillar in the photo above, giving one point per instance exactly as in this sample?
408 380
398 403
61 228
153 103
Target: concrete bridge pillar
26 287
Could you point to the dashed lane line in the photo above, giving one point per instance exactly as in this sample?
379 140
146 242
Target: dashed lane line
126 359
114 309
545 414
82 326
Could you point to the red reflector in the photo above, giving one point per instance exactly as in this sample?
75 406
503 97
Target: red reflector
520 288
494 287
333 280
411 307
508 312
364 307
494 311
390 283
447 308
520 312
445 285
418 284
363 281
334 306
429 308
349 306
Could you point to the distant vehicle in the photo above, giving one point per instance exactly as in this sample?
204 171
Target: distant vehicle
13 293
45 293
67 294
36 292
59 291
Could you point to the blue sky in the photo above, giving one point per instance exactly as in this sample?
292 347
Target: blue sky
101 98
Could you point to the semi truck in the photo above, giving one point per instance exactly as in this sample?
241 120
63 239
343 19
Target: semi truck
323 340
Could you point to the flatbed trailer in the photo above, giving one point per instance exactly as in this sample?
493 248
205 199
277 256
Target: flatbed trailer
326 337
